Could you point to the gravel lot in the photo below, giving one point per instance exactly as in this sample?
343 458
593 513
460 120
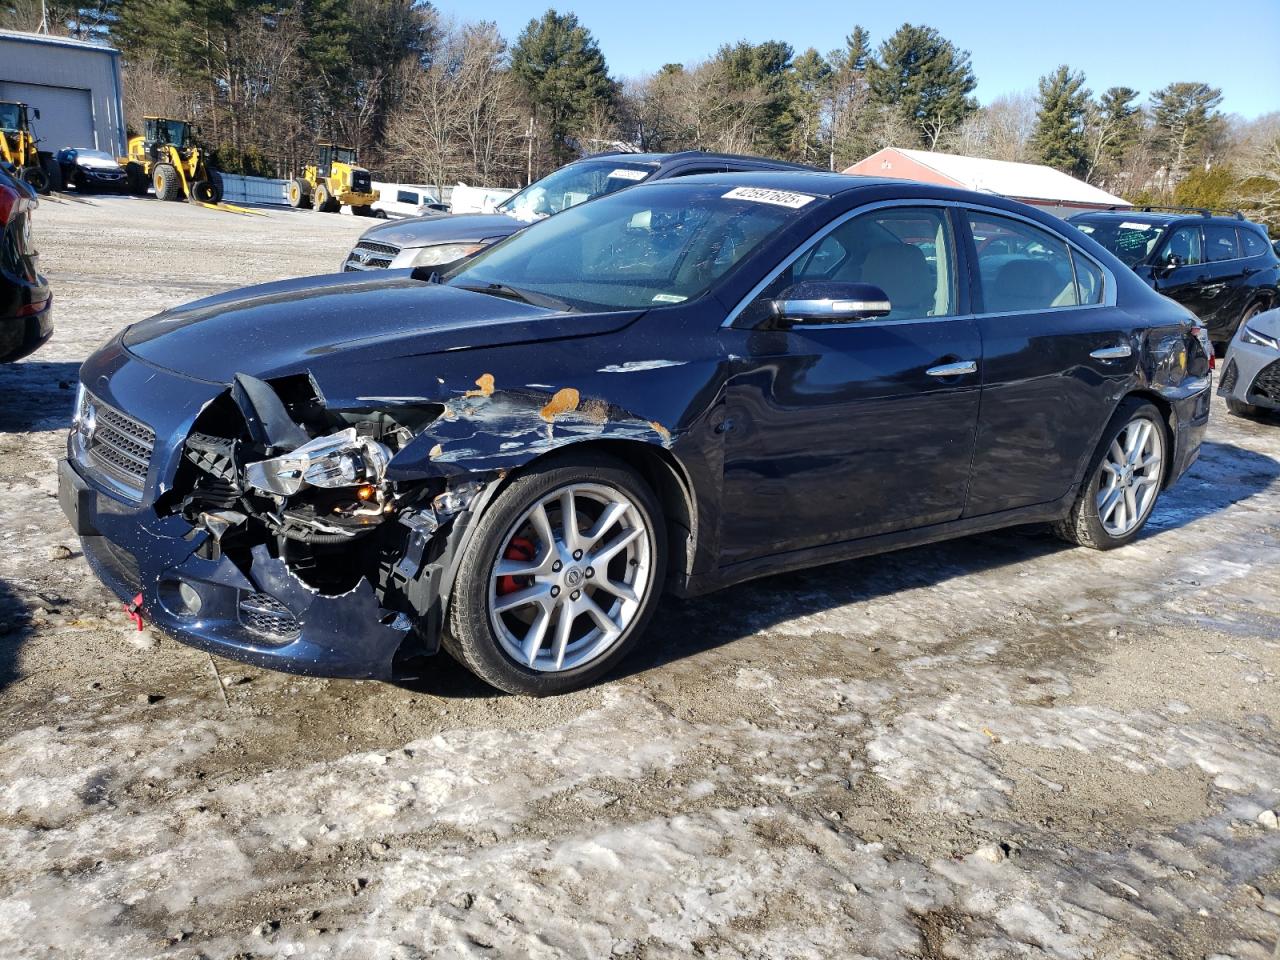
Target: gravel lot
997 747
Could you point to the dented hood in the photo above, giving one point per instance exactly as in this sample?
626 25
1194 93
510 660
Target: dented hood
296 325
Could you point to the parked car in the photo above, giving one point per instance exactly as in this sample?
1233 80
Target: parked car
1251 374
1221 268
687 384
400 202
92 171
26 302
444 242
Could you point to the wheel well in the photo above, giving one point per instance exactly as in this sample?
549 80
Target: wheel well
1168 418
668 481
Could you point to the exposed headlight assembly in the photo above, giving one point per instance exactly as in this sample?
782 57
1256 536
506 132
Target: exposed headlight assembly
445 253
1250 335
343 459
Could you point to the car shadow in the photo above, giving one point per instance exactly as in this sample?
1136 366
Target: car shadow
1224 475
37 395
15 629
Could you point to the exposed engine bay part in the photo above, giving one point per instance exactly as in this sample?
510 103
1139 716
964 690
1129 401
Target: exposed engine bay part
342 459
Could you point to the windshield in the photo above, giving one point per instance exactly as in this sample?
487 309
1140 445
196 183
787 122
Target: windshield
665 244
1130 240
571 185
344 155
172 131
10 116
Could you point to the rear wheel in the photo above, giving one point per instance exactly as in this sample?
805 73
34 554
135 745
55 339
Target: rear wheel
201 192
560 578
52 171
164 179
36 179
299 192
135 178
1123 482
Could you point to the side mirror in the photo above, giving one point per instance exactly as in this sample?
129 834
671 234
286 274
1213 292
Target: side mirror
824 301
1172 263
35 113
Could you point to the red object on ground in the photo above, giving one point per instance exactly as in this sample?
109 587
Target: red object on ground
518 549
134 610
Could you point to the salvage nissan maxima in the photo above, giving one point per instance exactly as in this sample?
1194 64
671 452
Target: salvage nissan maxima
679 386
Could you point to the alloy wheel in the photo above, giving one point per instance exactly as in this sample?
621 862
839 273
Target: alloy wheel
1129 476
574 573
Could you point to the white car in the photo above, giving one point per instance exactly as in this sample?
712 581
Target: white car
401 201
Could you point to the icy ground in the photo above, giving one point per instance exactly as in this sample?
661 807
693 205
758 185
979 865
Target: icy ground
998 747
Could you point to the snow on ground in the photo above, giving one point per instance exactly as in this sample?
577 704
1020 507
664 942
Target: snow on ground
993 748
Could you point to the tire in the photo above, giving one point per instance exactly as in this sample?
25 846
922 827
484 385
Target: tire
299 194
322 201
1085 525
136 179
215 185
201 192
35 178
52 171
164 179
363 210
486 641
1241 409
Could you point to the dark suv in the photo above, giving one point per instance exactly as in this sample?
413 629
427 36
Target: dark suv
442 242
1222 268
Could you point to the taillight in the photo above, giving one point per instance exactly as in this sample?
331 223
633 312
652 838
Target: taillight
39 306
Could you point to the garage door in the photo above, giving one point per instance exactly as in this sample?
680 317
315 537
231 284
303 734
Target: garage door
66 114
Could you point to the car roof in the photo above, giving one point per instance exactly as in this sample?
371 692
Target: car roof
682 156
1163 216
824 184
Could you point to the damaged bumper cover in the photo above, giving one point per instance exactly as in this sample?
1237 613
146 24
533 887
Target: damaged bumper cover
250 601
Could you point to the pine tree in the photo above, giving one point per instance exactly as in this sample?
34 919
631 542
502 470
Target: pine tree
563 73
1113 126
1184 120
922 76
1059 138
759 76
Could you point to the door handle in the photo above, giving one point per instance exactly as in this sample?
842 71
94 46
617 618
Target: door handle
957 369
1118 352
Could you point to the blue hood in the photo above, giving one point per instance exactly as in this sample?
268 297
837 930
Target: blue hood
292 326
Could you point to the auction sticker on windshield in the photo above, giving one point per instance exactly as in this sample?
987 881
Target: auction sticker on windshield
780 198
622 173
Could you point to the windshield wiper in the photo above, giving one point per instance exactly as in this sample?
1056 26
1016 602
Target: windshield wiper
515 293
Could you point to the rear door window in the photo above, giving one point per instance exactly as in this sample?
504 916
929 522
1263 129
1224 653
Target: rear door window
1023 268
1220 243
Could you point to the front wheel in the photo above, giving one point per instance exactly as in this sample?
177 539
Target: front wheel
1123 482
35 178
560 578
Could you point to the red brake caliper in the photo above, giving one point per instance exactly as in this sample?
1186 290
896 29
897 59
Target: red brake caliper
518 549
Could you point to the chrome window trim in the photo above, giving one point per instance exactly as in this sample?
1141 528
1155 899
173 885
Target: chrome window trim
1109 278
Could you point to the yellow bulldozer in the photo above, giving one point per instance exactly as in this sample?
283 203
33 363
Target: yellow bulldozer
18 148
167 158
333 181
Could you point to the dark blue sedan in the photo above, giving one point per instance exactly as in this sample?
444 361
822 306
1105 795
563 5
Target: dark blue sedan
677 387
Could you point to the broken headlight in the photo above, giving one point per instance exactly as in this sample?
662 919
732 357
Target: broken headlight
343 459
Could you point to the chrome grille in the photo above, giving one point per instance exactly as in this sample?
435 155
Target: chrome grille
370 255
264 614
117 445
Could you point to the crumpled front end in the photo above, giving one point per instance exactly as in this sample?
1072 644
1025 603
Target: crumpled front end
253 522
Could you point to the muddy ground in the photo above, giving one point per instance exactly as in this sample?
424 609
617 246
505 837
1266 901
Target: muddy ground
997 747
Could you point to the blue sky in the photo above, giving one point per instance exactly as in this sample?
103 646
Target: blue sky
1143 44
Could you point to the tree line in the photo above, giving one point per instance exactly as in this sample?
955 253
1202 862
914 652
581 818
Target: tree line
428 100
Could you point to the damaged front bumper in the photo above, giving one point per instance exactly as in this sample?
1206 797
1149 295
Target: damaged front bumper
249 603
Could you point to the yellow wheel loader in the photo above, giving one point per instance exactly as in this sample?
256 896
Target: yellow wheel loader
332 181
18 148
167 158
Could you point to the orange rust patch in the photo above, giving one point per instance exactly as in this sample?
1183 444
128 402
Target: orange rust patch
660 430
597 411
485 383
565 401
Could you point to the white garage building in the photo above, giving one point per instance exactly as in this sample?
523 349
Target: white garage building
74 84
